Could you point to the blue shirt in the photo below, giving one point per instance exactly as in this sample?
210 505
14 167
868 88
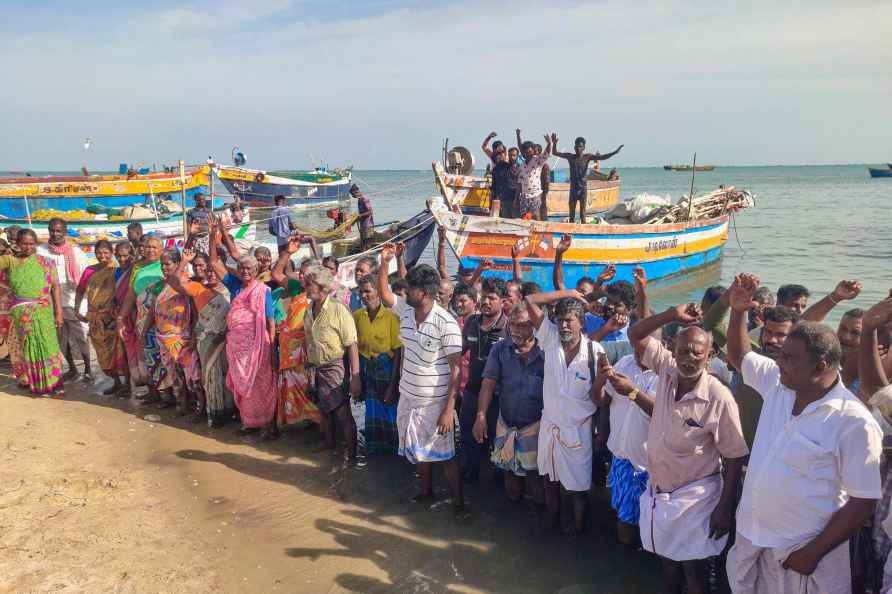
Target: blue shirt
280 224
234 284
518 384
594 323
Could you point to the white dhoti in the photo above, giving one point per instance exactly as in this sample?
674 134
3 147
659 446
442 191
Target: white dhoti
758 570
676 525
565 454
416 421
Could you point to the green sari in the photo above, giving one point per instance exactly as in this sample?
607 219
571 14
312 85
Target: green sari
33 323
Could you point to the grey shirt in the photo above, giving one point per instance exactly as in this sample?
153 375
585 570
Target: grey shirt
518 382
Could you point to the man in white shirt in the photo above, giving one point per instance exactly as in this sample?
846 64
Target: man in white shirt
429 378
813 476
565 433
627 440
70 264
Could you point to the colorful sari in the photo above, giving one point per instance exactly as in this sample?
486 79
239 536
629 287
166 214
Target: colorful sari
294 400
132 347
210 333
33 324
7 338
177 361
249 351
100 292
149 347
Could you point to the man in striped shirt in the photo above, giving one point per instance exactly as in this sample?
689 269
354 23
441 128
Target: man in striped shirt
429 379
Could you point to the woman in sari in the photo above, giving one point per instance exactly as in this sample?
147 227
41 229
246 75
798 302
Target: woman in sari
124 256
251 331
294 404
36 315
97 283
212 304
7 298
176 364
380 349
143 345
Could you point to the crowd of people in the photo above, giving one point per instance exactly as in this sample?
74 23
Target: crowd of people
740 432
521 176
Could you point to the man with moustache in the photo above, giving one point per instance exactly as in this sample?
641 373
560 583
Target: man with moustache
813 476
479 333
514 370
694 438
564 454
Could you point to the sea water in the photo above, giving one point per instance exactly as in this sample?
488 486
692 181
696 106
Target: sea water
812 225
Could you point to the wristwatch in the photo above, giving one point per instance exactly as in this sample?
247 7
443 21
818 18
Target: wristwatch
633 395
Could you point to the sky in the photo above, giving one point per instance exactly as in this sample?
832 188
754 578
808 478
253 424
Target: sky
381 84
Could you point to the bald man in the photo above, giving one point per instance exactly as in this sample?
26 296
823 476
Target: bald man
694 437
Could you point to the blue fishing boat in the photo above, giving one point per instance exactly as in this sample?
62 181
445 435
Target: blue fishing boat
876 172
308 189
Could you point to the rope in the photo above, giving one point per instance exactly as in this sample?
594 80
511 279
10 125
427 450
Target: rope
391 240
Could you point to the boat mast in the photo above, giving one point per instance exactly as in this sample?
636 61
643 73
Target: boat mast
691 195
183 198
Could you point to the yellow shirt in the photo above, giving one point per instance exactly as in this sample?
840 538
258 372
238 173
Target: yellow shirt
328 335
379 336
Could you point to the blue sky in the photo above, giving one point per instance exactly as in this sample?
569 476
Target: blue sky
380 84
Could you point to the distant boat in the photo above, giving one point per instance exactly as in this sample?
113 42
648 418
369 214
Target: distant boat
316 188
688 167
877 172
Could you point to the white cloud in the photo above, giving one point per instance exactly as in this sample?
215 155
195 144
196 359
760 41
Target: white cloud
749 83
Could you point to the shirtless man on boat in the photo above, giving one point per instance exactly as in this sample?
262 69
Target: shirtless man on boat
578 162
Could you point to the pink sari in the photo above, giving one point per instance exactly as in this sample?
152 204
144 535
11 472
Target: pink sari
250 377
139 372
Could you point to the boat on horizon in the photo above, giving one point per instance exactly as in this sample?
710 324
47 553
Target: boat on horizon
666 246
20 196
879 172
689 167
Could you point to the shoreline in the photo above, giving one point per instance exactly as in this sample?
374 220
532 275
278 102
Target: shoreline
95 498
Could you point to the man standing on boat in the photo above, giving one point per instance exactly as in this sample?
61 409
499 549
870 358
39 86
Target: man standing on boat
366 218
578 162
281 225
70 264
197 220
530 199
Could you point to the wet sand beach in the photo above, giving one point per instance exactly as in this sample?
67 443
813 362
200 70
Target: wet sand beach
93 498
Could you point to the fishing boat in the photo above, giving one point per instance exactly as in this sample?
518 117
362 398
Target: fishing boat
303 189
666 246
878 172
472 193
688 167
20 196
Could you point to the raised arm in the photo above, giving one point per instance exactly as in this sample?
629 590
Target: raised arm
486 150
441 252
642 306
214 255
546 152
484 265
604 157
845 290
554 148
686 313
401 270
607 275
280 273
740 298
516 274
870 364
557 273
176 279
387 296
519 141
